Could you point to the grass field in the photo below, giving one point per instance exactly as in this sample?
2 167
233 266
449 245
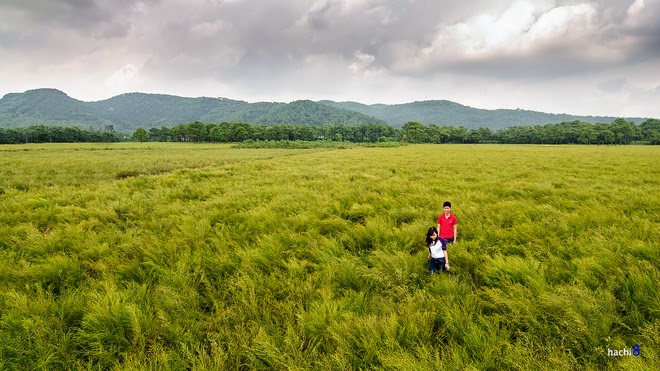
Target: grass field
182 256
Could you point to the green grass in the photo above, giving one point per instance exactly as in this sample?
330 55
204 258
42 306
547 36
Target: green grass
301 144
196 256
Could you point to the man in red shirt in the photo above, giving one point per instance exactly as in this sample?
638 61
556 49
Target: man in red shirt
448 224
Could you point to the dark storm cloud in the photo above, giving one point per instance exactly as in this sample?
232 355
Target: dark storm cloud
93 17
405 37
60 30
646 32
283 34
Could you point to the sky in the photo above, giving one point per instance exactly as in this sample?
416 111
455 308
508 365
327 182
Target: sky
560 56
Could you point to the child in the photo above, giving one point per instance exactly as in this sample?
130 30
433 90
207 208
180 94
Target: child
438 258
448 224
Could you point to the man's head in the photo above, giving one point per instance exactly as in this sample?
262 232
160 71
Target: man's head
447 206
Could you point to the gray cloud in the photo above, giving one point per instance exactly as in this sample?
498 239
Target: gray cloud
614 85
94 18
312 47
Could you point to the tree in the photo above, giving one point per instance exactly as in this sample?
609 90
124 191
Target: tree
433 133
325 132
164 134
587 135
475 136
623 130
650 130
486 134
239 131
179 133
140 134
154 133
341 133
415 132
605 136
459 134
283 132
445 134
197 132
73 134
10 136
304 132
220 133
270 133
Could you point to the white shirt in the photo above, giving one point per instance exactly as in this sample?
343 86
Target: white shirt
436 249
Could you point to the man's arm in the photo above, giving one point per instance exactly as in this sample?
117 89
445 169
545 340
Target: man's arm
455 233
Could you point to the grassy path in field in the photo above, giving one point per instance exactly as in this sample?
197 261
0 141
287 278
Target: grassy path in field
286 259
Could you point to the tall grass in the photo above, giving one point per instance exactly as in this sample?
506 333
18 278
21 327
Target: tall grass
186 256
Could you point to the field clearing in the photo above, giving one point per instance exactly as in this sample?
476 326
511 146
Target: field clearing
199 256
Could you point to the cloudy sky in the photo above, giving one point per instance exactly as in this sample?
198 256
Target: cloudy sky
563 56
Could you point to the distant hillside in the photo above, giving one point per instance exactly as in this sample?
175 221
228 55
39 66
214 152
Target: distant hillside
446 113
312 113
49 107
126 112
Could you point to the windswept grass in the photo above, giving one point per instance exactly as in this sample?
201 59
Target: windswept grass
181 256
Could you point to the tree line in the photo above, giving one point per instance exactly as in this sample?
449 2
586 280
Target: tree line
619 131
58 134
234 132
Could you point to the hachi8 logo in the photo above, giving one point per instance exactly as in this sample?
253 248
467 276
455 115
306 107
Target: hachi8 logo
635 351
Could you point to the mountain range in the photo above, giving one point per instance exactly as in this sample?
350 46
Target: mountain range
129 111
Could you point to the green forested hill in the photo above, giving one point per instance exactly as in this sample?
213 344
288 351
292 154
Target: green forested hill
48 107
312 113
446 113
127 112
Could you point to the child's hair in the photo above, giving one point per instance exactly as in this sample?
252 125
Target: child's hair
431 231
447 203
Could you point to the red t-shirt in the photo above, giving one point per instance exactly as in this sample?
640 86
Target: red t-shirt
447 225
